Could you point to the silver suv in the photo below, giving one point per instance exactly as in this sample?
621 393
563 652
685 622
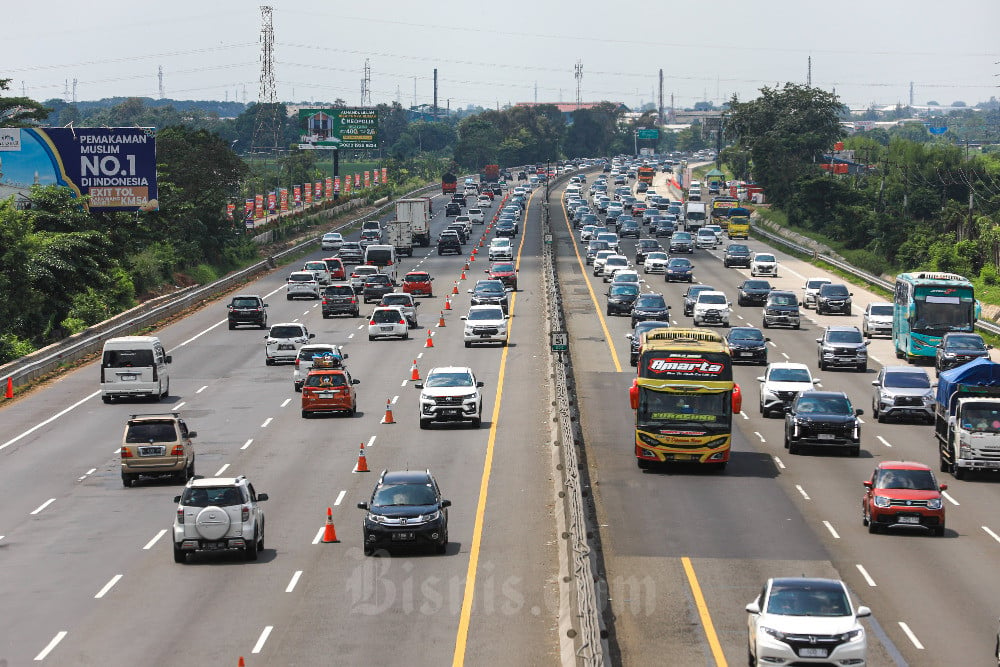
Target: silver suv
842 346
450 393
903 391
218 513
877 320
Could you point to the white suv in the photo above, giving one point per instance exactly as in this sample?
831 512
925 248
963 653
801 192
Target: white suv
781 383
302 283
218 513
877 319
500 249
283 340
712 307
811 289
485 324
450 393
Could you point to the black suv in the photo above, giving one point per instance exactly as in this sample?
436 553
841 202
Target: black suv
452 209
957 348
691 295
753 292
377 286
621 296
781 309
405 510
340 299
842 346
650 306
833 298
823 418
748 344
459 229
628 227
736 254
449 241
247 309
490 292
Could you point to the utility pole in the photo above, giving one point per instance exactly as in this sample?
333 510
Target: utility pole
366 86
809 72
159 75
74 91
659 106
435 93
911 93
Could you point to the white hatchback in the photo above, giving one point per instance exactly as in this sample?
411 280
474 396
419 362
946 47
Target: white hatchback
388 322
764 264
484 202
476 215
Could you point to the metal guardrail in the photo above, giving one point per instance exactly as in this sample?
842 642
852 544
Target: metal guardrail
869 278
581 626
88 342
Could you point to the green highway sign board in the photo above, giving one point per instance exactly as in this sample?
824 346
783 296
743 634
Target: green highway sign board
346 129
649 134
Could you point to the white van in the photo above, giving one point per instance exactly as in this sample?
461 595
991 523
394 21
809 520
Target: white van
134 367
384 257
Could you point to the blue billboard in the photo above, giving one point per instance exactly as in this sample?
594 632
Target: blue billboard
114 167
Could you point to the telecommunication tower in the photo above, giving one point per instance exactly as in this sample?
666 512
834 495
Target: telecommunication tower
366 86
159 75
268 125
578 74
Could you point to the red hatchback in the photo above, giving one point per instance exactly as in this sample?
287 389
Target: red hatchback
505 272
335 266
903 494
418 283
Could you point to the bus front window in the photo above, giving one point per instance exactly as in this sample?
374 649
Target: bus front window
659 409
937 317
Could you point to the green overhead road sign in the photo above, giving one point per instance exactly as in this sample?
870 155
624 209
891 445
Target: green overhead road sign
649 134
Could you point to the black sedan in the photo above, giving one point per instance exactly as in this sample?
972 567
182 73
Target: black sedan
621 297
650 307
635 337
736 254
748 344
680 269
753 292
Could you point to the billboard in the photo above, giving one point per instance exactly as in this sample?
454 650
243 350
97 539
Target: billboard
346 129
114 166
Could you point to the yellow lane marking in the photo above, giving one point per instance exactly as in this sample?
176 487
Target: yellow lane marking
706 618
593 297
477 532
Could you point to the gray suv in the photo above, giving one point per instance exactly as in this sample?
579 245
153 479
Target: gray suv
842 346
903 391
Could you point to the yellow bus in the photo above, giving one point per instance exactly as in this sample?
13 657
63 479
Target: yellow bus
684 398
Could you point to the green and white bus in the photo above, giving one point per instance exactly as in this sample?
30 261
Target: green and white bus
926 306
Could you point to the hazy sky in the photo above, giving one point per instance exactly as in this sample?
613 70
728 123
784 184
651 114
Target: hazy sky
498 52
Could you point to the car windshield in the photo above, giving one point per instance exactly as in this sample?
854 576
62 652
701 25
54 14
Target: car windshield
680 264
656 255
286 332
245 303
316 266
746 334
486 314
883 311
908 380
400 495
490 288
830 405
503 268
456 379
221 496
712 298
816 284
917 480
738 250
834 290
397 300
783 300
151 432
617 261
851 336
972 342
416 278
301 278
650 301
629 290
326 380
790 375
763 258
386 316
377 279
500 243
821 599
682 236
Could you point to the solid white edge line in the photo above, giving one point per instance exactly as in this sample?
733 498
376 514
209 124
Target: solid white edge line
49 420
779 462
247 443
803 492
319 535
295 580
266 422
340 497
221 470
829 526
864 573
909 633
286 402
52 644
262 639
156 538
107 587
991 533
883 441
950 499
43 506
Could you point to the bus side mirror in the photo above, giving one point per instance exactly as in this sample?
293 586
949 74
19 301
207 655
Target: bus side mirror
737 399
633 395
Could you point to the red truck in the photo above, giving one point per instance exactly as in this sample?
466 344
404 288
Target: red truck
449 184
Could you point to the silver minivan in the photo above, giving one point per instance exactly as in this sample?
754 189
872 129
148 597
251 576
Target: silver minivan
134 367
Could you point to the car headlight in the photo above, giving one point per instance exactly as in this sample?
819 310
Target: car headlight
777 634
469 397
881 501
934 504
433 516
376 518
852 636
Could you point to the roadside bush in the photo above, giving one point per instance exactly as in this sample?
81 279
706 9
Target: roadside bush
152 266
12 347
203 274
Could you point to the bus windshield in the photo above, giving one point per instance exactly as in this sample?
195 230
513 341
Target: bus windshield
658 409
936 314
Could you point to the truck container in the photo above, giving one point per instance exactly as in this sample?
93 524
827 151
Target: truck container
449 184
967 418
417 212
490 174
401 237
694 216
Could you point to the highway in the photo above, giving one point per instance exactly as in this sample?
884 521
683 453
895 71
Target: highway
686 550
89 575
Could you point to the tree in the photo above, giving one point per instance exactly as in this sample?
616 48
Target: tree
784 130
20 111
593 130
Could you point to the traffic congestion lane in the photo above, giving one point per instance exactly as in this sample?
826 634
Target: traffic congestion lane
284 489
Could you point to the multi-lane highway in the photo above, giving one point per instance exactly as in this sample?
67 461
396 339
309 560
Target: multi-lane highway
685 550
88 574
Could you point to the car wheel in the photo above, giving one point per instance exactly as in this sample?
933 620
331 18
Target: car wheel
956 472
326 316
643 464
793 447
764 324
106 399
425 423
231 326
353 411
128 480
468 344
305 414
477 421
288 297
822 365
251 549
864 515
371 338
180 556
862 368
797 326
406 336
442 546
872 527
268 362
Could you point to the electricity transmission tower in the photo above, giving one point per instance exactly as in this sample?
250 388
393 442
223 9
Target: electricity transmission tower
268 123
578 74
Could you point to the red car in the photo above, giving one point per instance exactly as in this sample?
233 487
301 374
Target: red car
329 390
418 283
903 494
335 266
505 272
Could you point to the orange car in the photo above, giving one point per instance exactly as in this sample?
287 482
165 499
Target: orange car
329 390
903 494
418 283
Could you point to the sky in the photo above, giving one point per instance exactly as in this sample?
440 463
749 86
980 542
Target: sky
494 54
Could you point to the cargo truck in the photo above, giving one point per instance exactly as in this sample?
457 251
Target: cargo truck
967 418
416 212
739 223
694 216
490 174
401 237
449 184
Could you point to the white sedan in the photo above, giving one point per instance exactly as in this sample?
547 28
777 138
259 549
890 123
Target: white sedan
331 241
656 262
484 202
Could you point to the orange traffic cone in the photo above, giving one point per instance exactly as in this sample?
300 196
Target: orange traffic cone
329 532
473 257
362 465
454 290
447 304
414 373
463 275
430 341
480 243
466 268
441 319
10 388
241 663
388 413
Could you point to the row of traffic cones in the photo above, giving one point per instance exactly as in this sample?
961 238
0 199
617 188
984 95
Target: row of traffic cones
329 530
